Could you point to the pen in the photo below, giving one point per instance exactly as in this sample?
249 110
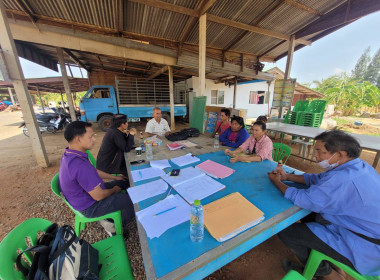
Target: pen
140 174
167 210
169 191
228 157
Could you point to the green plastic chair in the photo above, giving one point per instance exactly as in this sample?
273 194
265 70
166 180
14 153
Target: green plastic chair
292 116
293 275
281 152
313 115
315 258
91 158
112 253
80 219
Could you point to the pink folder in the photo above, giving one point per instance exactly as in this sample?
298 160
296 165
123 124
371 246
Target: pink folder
215 169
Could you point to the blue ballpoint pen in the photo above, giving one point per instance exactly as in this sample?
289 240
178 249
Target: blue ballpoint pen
167 210
140 174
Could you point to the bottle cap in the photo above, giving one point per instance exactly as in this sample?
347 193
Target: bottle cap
197 202
280 162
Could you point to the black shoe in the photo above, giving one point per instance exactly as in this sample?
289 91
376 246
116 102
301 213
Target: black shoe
288 265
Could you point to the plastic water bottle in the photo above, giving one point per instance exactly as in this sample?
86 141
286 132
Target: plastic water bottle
196 222
216 141
149 151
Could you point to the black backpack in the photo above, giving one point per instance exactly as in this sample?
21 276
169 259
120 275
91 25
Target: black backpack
60 254
183 134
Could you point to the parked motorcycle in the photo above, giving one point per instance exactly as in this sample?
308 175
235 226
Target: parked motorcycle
49 123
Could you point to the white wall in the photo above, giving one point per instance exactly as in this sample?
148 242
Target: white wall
242 98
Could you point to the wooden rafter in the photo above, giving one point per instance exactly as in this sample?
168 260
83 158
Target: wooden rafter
254 23
158 72
254 29
167 6
75 59
303 7
100 61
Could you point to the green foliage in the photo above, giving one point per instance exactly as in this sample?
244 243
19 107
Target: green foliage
362 65
340 121
372 73
56 97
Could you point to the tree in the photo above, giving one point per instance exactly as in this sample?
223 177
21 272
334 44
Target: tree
362 65
372 73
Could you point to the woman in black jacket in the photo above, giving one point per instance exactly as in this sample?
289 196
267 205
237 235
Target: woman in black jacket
115 143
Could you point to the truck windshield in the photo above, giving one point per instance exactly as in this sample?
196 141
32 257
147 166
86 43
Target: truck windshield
100 93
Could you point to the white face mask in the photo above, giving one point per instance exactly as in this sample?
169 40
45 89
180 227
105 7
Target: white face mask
326 165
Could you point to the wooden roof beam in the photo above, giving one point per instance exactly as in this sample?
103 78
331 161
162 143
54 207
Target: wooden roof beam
254 29
303 7
76 59
167 6
158 72
254 23
27 9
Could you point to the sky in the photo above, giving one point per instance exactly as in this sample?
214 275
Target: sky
333 54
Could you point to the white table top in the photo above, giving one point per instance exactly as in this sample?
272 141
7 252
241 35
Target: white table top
365 141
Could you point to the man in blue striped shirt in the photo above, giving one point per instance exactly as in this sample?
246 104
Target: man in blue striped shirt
345 201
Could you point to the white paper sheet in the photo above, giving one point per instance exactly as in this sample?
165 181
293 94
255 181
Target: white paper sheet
146 173
185 174
199 188
161 164
155 225
184 160
144 191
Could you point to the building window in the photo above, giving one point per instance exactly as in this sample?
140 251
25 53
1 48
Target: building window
217 97
258 97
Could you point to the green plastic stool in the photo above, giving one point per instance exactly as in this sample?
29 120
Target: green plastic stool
281 152
112 253
315 258
293 275
80 219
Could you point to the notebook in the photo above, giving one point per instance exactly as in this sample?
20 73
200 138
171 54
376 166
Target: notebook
174 146
214 169
230 215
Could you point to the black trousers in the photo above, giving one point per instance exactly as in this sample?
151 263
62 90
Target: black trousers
116 201
300 239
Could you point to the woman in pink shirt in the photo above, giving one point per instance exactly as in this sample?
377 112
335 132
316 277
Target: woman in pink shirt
224 123
259 145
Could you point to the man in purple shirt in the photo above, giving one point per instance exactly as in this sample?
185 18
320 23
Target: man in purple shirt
82 184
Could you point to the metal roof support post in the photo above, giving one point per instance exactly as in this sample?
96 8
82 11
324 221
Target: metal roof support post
171 96
202 55
66 84
39 96
12 62
11 96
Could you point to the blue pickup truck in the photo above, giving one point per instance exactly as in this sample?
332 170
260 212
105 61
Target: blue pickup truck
134 97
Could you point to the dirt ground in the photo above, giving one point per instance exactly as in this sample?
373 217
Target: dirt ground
25 193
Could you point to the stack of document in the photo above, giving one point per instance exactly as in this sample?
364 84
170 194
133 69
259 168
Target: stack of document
215 169
161 164
185 160
193 184
186 143
165 214
175 146
144 191
146 173
230 215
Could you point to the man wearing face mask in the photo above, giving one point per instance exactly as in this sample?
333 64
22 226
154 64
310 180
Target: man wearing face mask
345 201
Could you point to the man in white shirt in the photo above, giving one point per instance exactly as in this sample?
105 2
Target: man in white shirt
157 126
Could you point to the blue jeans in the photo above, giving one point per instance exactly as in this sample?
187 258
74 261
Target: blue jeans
115 202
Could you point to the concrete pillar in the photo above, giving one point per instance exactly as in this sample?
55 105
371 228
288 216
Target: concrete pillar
66 84
171 91
202 55
39 96
288 67
11 96
12 63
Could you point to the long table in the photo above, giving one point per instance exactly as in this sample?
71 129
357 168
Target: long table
174 256
366 142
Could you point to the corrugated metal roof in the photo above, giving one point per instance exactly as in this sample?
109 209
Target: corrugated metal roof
156 25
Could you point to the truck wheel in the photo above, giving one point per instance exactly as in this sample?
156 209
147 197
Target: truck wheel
105 122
